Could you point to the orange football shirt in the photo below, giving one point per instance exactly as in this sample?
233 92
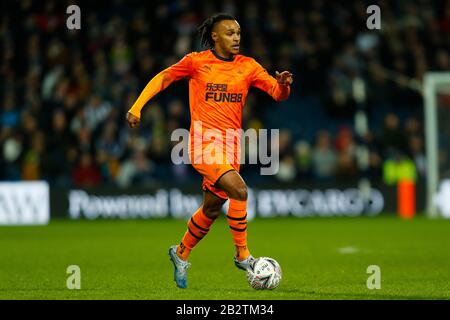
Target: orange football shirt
218 88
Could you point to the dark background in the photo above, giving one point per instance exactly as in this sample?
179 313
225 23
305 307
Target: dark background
64 94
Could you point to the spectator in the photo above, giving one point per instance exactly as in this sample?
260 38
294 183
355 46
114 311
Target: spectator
96 111
9 116
392 139
136 170
59 142
287 170
11 151
417 152
86 173
303 158
34 160
323 157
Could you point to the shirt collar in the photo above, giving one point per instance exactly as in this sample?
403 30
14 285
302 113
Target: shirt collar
220 57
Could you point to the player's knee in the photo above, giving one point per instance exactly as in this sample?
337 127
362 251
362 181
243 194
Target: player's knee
212 214
212 211
240 193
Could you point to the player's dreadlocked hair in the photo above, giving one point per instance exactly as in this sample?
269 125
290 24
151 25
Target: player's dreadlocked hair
206 27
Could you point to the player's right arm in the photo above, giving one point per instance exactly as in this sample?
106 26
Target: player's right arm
161 81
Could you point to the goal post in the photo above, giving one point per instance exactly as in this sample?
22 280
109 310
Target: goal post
434 82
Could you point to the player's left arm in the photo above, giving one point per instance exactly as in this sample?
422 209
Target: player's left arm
279 87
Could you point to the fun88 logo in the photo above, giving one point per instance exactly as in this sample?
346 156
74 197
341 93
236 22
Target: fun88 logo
218 93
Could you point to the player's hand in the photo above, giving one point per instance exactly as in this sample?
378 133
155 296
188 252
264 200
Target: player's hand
284 78
132 120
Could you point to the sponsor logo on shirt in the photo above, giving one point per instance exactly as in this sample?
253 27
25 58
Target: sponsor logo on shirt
219 93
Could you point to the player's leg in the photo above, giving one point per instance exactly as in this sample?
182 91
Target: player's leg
198 226
212 204
199 223
234 186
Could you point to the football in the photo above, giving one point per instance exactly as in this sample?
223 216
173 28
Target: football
264 273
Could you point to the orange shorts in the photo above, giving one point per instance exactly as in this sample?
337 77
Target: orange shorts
212 160
212 173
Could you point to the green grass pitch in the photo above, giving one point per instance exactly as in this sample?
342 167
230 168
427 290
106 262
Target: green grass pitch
321 258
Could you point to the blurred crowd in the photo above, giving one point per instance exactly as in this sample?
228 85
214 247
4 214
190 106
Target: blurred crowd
64 93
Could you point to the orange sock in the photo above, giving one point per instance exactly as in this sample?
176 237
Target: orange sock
198 227
237 220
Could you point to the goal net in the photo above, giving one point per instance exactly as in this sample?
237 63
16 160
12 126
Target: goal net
436 93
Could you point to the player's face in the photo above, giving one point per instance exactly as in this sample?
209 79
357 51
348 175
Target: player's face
227 36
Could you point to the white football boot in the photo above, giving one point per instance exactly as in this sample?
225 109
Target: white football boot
243 264
181 266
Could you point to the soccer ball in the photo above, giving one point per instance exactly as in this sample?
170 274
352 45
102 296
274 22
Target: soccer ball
264 273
